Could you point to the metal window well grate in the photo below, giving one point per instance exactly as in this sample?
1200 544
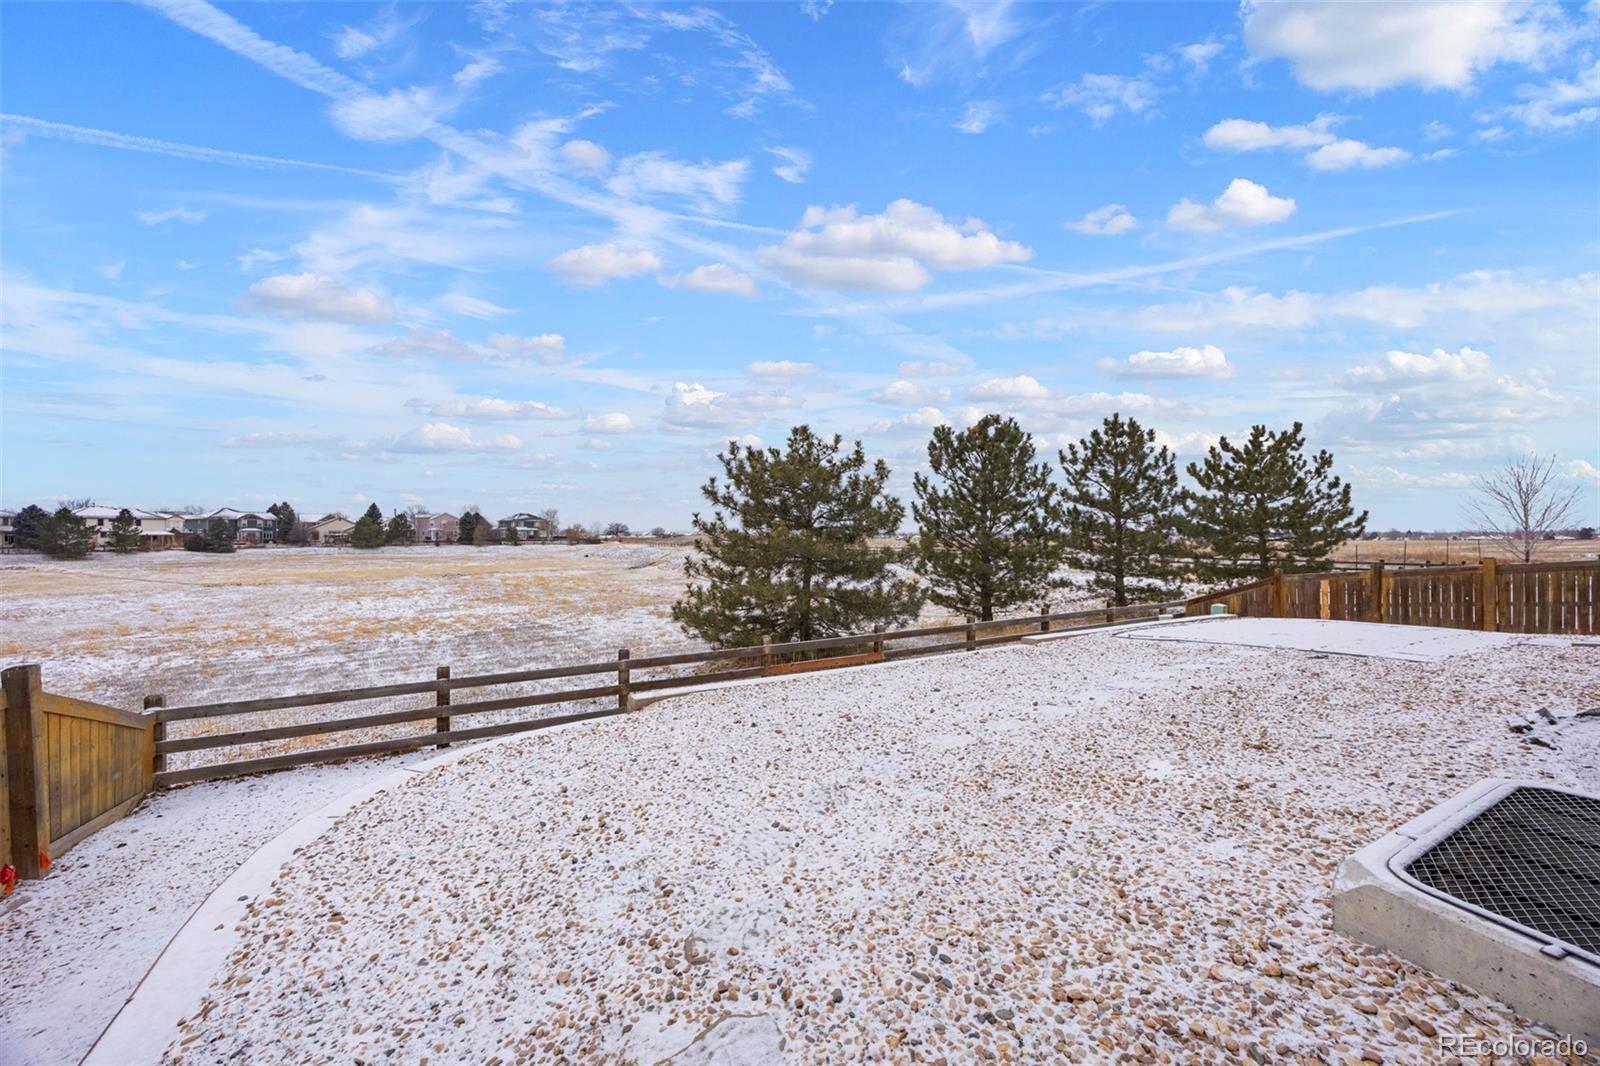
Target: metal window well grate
1530 860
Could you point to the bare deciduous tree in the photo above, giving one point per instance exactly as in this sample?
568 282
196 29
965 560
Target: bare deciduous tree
1521 502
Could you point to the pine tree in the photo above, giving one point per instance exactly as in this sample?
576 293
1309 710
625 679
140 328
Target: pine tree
65 536
1123 513
368 530
287 520
124 532
400 530
990 528
27 525
465 526
1264 506
786 551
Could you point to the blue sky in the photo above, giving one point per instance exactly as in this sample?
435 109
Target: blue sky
554 256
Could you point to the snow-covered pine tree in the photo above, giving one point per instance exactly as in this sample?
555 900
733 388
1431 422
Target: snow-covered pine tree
786 551
1264 506
990 523
1123 512
124 532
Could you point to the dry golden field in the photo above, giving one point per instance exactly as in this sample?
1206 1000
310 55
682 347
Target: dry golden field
1463 550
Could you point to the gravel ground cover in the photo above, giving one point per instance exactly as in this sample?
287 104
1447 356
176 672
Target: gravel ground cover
1093 850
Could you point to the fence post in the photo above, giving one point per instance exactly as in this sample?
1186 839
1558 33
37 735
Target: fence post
441 698
972 635
766 651
1490 599
29 802
154 701
1279 595
623 699
877 639
1376 609
1044 617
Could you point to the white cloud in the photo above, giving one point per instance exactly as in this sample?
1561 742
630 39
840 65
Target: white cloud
487 409
893 251
793 165
1206 361
459 303
717 278
923 419
1101 96
397 115
977 117
902 393
1021 387
779 369
1557 105
615 422
1107 221
430 344
815 9
444 437
1436 131
1346 154
586 156
710 187
171 214
1468 364
1393 476
1197 442
1435 44
1324 150
318 296
1198 56
1478 297
596 264
931 367
1582 470
690 405
1246 135
1242 203
541 347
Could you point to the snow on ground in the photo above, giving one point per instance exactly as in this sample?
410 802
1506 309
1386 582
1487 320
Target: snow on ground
1414 643
1067 852
73 946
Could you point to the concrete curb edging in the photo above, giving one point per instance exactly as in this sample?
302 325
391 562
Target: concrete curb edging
176 982
1371 903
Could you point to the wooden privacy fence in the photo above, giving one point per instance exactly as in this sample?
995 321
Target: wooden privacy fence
1556 598
70 767
73 766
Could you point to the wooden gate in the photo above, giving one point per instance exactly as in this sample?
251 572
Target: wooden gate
71 767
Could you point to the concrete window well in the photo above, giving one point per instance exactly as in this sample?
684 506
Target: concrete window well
1497 888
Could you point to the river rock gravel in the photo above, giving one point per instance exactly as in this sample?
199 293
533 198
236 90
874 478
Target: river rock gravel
1098 849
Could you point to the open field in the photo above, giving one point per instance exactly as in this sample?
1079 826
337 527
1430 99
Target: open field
203 627
1078 851
1469 550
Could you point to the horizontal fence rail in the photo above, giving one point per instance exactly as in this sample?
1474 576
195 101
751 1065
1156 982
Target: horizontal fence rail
436 707
1560 599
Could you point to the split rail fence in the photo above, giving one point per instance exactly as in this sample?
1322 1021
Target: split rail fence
69 767
72 767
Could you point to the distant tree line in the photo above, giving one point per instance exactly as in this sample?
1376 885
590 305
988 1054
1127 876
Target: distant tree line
787 548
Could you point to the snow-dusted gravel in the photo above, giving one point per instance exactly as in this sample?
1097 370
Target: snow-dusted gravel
1070 852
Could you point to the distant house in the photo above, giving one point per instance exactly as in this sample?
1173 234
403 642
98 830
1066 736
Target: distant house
246 527
436 528
527 526
8 538
329 530
155 528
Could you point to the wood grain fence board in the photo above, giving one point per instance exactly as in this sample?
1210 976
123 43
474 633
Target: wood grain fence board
834 663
